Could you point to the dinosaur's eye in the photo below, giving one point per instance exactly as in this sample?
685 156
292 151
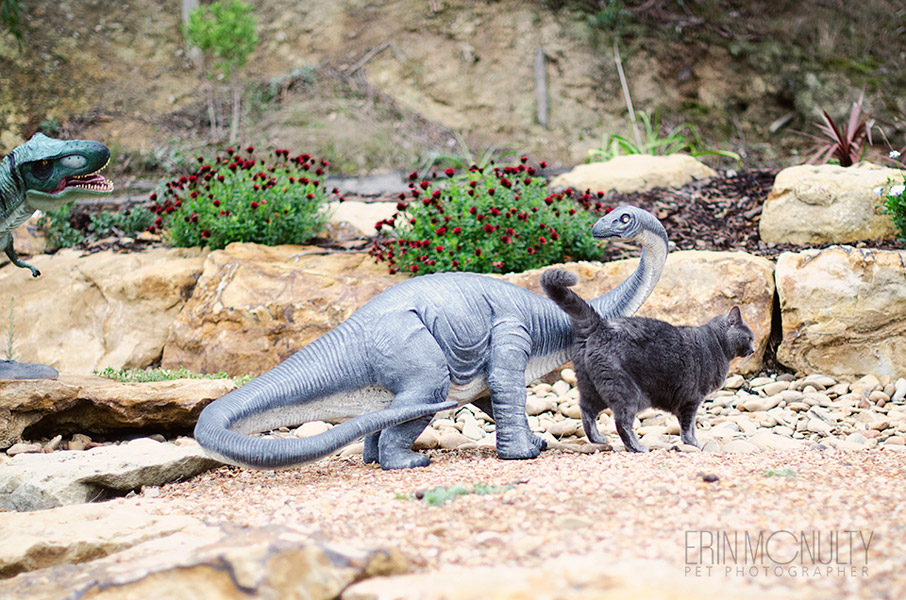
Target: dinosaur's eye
624 219
74 161
42 169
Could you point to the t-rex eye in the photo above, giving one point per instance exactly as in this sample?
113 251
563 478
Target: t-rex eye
42 169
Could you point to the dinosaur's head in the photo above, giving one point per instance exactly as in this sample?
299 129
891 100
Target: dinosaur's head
55 172
627 223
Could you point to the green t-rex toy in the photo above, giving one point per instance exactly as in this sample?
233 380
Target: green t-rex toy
44 174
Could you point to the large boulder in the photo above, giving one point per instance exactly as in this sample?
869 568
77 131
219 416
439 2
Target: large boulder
212 562
39 481
96 405
635 173
695 287
96 311
820 204
254 306
843 311
76 534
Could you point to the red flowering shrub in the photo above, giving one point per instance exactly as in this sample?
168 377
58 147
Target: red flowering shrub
493 220
240 198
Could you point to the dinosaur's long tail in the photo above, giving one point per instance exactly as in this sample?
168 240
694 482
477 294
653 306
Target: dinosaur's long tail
324 368
556 284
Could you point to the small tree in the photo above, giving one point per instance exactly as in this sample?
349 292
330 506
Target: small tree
225 31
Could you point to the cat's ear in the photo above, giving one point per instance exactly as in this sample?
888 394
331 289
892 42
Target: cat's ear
735 316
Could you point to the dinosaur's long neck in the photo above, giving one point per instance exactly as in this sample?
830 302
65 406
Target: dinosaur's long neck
626 298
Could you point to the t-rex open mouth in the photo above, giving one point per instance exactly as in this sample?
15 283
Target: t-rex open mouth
91 182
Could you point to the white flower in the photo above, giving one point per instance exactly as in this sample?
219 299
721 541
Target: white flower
897 190
878 191
894 154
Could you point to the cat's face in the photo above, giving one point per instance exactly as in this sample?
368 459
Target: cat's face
739 335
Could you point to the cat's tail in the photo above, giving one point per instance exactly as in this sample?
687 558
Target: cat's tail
556 284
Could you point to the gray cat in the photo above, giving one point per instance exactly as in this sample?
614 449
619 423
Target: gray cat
633 363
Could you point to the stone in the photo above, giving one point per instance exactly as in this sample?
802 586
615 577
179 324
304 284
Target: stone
569 376
311 428
756 403
775 387
564 428
821 204
213 562
739 446
843 311
577 577
452 439
427 439
695 287
117 311
76 534
856 438
361 215
79 404
766 440
734 382
24 448
40 481
899 390
535 406
255 305
634 173
472 430
819 426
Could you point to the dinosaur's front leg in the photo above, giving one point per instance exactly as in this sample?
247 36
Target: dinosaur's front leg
510 347
14 257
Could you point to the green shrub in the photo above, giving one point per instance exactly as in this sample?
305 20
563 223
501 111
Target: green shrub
60 232
894 197
242 199
149 375
494 220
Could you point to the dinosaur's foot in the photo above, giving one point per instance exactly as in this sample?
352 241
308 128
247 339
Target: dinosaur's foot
521 446
370 453
403 459
10 369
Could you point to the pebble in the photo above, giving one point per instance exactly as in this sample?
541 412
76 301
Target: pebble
79 441
452 439
24 448
756 404
311 428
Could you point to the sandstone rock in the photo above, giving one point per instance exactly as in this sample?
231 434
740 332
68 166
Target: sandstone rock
213 562
76 534
843 311
818 204
96 311
28 239
634 173
89 404
361 215
694 288
586 577
255 305
39 481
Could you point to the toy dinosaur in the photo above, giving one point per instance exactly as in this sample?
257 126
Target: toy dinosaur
44 174
424 345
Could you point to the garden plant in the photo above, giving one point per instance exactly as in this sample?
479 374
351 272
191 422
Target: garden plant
487 220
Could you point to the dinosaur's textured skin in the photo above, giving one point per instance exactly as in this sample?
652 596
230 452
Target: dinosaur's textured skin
424 345
44 174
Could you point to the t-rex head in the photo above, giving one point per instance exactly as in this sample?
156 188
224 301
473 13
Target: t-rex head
55 172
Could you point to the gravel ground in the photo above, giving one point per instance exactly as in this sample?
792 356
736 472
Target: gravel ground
585 500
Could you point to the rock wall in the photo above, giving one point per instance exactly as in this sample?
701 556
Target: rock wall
843 311
254 306
96 311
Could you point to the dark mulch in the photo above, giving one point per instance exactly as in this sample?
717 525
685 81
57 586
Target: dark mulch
720 213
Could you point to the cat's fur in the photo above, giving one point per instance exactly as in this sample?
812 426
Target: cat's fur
632 363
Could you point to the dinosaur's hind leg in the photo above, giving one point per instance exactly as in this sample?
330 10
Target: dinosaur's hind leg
416 372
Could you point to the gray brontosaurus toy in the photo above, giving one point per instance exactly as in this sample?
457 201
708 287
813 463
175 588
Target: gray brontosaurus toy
424 345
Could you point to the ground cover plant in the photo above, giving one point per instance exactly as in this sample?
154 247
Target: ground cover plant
240 197
487 220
